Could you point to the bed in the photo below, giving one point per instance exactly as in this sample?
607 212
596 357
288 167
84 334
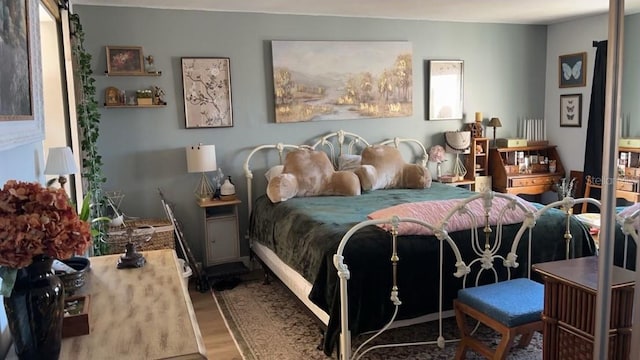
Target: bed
297 240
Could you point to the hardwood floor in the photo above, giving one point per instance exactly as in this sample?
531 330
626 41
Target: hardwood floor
217 340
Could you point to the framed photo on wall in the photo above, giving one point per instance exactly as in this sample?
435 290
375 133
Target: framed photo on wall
21 114
571 110
125 60
445 85
207 92
572 70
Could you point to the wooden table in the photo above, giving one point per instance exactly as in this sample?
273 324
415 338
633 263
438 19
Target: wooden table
143 313
570 288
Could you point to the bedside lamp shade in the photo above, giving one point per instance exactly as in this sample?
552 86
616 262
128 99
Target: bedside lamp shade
202 158
494 123
60 162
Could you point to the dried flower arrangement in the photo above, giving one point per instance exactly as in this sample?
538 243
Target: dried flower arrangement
436 154
565 187
36 220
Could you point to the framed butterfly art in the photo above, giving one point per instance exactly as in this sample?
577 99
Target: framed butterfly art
573 70
571 110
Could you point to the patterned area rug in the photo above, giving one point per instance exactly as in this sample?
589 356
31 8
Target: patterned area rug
268 323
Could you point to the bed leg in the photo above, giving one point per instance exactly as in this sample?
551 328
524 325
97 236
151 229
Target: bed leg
267 278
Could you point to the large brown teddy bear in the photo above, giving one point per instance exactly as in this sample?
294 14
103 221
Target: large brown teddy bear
383 167
308 172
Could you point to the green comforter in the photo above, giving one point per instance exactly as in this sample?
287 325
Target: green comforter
305 232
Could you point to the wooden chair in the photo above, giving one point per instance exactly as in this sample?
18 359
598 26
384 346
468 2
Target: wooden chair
630 196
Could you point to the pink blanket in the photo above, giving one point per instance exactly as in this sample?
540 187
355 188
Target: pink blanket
433 212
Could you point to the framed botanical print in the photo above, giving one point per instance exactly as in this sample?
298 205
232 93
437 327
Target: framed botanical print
125 60
207 92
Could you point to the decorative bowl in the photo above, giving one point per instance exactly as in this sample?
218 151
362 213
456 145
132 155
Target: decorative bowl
74 281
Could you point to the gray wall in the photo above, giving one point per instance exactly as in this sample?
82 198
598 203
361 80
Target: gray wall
143 149
578 36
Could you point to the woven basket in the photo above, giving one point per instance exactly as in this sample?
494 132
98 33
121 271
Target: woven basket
159 233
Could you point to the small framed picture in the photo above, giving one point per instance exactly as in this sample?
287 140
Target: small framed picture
572 70
533 159
125 60
571 110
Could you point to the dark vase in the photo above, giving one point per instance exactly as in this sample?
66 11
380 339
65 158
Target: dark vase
35 310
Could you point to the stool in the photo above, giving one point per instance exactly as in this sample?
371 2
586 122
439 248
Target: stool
510 307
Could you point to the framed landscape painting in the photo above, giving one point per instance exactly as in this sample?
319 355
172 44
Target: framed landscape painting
338 80
21 117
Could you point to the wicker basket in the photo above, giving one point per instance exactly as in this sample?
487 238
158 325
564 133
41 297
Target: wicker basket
159 233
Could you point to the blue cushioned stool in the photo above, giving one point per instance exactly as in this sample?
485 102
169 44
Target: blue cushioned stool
509 307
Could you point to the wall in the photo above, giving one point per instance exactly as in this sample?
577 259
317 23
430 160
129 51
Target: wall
577 36
143 149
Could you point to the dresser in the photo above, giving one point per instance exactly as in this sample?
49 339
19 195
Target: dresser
143 313
510 176
570 288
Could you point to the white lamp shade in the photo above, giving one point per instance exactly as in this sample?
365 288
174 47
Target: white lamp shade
457 142
60 162
201 158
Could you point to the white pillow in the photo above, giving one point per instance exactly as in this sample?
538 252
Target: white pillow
273 172
349 162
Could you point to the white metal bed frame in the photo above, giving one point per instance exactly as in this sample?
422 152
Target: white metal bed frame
342 142
486 254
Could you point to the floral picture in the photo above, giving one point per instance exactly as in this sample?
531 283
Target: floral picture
207 92
336 80
571 110
124 60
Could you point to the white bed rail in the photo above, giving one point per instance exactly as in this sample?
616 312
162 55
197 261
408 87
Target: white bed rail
486 254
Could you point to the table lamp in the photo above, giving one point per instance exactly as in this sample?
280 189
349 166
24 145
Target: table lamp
458 142
202 158
494 123
60 162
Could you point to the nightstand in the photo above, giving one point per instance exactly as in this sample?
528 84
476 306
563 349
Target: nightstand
222 239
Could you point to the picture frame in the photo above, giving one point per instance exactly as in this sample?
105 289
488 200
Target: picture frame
124 60
113 96
324 80
572 70
206 83
21 114
571 110
445 89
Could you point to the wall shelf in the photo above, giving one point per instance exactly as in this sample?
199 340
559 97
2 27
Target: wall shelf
157 73
124 106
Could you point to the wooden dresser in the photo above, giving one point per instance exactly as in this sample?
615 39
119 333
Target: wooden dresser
143 313
570 288
507 177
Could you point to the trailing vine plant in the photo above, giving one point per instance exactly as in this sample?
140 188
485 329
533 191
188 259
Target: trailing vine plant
89 123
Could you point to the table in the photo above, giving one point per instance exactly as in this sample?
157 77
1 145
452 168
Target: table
570 288
143 313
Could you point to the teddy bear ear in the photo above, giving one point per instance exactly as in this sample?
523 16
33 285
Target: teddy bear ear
282 187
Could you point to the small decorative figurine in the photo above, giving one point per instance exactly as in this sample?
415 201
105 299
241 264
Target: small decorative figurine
151 67
158 96
131 258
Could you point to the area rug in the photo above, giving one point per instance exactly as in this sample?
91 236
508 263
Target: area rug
268 322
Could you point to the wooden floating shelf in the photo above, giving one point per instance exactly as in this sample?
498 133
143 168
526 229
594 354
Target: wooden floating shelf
134 106
157 73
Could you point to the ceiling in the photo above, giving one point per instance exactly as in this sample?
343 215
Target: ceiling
486 11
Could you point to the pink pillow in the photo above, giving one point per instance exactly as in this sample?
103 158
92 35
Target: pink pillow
433 212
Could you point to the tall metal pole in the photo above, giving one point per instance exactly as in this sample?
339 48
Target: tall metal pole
609 170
